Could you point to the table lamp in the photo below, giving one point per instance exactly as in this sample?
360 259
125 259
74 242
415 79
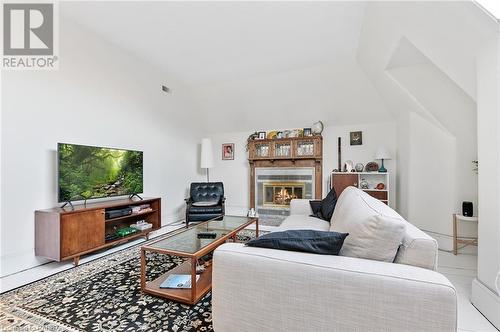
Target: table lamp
382 154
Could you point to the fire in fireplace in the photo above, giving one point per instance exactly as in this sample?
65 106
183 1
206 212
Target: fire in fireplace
280 194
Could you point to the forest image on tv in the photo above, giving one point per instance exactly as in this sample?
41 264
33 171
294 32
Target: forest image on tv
87 172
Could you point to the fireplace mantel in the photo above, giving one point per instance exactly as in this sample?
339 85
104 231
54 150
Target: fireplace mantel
287 153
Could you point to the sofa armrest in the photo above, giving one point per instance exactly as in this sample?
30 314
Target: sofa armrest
300 207
417 249
275 290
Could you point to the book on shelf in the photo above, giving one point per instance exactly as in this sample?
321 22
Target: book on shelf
180 281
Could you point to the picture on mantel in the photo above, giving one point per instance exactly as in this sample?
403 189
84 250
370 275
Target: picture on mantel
356 137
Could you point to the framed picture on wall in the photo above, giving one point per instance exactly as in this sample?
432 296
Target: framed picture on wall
228 151
356 137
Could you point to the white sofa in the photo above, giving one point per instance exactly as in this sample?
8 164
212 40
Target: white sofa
258 289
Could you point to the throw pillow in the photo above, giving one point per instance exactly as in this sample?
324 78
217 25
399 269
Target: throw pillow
307 240
324 208
376 231
316 208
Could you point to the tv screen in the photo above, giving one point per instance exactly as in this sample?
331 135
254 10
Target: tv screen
87 172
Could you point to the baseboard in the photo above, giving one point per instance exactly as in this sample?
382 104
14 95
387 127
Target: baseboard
486 301
167 219
20 261
236 210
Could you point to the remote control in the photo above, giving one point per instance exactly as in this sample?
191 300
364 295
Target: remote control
207 235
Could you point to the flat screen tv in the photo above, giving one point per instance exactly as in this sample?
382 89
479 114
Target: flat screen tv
88 172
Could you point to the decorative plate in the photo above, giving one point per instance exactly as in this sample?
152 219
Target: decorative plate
371 167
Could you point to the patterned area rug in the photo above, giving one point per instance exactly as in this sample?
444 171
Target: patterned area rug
103 295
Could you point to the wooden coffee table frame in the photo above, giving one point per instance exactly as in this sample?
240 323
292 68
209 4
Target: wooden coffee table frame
199 288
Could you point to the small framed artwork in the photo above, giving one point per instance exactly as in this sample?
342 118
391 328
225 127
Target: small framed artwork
228 151
262 135
356 137
307 132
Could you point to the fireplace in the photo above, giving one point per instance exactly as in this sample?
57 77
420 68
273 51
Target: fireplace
275 187
279 194
282 169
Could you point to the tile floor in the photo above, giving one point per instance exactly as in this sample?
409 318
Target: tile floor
460 270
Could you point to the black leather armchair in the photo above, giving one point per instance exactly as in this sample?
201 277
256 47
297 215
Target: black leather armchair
206 201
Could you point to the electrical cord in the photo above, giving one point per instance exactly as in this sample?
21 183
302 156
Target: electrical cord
450 251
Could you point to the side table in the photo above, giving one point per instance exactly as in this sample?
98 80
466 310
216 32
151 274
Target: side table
456 240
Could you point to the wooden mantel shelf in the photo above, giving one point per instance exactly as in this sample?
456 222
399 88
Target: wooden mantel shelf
286 152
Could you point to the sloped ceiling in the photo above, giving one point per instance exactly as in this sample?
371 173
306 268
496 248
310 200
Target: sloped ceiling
208 42
262 65
249 65
449 34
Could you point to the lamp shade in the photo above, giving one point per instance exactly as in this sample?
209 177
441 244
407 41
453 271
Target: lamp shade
207 155
382 153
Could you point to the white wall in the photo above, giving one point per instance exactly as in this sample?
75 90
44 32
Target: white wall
235 173
485 295
375 135
99 96
337 93
426 75
442 142
431 177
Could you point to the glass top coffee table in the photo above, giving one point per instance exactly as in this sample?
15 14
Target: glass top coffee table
187 244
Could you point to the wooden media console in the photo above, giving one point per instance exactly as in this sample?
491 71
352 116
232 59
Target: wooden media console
68 233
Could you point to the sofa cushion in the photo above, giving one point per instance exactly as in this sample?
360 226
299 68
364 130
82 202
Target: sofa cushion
206 191
205 203
205 209
303 222
376 231
305 240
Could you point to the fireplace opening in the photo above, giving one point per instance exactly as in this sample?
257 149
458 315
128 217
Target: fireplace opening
279 194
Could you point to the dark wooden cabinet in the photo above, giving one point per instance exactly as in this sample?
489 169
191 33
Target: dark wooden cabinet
68 233
342 181
366 181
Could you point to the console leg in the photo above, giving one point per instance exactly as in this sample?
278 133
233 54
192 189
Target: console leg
76 260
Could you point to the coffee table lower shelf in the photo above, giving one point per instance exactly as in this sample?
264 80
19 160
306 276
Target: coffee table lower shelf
187 296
